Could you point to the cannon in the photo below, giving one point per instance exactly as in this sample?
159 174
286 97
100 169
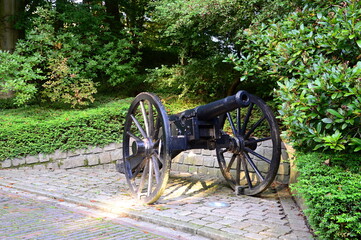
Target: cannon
234 127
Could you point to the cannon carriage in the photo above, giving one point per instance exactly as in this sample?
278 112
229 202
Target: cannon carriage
234 127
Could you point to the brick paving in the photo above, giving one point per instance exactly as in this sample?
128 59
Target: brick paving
28 216
185 205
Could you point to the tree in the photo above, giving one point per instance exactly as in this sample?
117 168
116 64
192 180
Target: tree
9 11
204 32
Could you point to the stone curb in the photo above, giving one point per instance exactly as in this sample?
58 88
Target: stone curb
131 213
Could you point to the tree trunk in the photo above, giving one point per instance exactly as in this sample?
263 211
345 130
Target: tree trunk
232 89
9 9
112 8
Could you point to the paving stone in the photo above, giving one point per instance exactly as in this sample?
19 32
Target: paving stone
31 159
103 185
254 236
93 159
226 222
303 234
105 157
6 163
73 162
110 147
215 225
117 154
17 161
200 222
234 231
255 228
208 161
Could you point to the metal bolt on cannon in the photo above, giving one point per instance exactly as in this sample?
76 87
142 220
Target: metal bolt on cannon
234 127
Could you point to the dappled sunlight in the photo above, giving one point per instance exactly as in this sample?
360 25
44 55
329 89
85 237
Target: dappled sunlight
181 189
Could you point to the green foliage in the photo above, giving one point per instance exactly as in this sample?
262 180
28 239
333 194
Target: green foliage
330 186
33 130
17 74
67 55
313 57
202 33
207 78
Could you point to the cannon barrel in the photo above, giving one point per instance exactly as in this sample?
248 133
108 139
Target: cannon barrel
219 107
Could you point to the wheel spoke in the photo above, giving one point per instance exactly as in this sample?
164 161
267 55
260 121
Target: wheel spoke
263 139
159 158
257 155
254 127
142 179
232 124
223 151
145 118
157 128
238 170
249 160
141 130
244 163
150 177
231 163
151 118
137 170
246 119
156 169
133 136
238 120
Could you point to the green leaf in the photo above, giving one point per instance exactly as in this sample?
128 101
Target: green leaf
327 120
358 43
335 113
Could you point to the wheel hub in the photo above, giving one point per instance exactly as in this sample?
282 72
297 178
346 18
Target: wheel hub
143 147
238 144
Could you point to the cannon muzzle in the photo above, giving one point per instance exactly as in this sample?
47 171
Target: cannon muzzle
219 107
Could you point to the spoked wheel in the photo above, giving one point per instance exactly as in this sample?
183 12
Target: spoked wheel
146 148
248 168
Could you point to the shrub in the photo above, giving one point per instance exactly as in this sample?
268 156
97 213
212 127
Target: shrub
206 79
330 186
17 74
313 57
66 56
34 130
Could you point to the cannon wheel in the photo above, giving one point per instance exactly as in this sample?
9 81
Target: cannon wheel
248 170
146 154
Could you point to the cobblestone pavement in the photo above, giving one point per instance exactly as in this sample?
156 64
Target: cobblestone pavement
185 206
28 216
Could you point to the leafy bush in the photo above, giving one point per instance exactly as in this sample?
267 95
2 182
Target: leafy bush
313 57
67 55
206 79
17 74
33 130
330 186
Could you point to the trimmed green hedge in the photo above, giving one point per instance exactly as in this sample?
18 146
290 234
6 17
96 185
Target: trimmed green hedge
330 184
34 130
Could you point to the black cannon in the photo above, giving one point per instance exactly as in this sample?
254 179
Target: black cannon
234 127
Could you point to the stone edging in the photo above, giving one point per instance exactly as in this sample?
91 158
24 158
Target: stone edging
91 156
198 161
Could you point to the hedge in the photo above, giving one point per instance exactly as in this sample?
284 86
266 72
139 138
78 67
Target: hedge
330 184
46 130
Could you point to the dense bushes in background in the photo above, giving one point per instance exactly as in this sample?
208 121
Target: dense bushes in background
312 59
34 130
67 62
202 33
331 187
